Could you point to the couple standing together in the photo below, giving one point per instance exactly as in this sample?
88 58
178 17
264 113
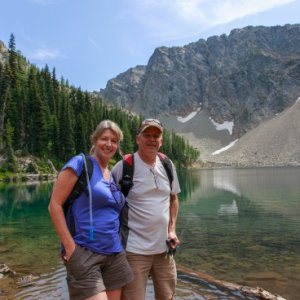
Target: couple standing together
98 267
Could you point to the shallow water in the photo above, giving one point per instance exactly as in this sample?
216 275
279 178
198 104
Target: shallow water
52 286
241 226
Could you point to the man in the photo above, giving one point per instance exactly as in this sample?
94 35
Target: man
149 218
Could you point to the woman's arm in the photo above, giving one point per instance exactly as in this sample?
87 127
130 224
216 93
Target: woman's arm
62 189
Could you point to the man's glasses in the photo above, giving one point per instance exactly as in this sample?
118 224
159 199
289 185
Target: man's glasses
117 195
151 136
155 177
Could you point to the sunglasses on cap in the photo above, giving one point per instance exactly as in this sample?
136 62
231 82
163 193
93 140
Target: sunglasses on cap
149 121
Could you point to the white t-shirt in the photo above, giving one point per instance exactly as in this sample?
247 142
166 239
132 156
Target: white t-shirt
148 204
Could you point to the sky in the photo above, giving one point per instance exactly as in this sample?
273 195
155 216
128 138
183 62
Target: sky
89 42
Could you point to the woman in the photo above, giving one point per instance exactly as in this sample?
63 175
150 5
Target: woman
96 264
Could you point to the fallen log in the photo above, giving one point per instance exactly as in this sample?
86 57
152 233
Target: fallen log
20 279
258 292
5 270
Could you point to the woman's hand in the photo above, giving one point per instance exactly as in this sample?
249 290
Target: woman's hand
68 252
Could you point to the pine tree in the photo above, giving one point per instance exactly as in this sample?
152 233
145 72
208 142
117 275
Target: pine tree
36 112
66 127
13 58
11 161
3 97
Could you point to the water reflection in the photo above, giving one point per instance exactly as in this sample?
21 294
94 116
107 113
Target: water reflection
189 180
237 225
243 226
228 209
27 236
18 200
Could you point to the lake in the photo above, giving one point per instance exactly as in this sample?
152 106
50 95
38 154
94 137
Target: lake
238 225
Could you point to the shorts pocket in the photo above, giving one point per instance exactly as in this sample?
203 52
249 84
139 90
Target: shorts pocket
76 266
74 253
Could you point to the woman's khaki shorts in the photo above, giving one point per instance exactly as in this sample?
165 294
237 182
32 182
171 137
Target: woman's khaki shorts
90 273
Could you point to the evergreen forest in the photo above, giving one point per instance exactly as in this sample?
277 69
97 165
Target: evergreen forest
48 118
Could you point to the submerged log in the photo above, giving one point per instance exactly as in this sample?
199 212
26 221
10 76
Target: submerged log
258 292
20 279
25 280
5 270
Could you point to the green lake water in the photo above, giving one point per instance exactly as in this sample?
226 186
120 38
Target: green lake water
238 225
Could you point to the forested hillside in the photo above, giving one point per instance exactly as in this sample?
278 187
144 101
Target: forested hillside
46 117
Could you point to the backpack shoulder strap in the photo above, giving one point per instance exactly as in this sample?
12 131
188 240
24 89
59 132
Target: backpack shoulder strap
166 162
126 181
81 183
90 166
79 187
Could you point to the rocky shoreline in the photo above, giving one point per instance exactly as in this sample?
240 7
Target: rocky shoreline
28 178
29 169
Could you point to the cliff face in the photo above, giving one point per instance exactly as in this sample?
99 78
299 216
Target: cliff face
3 52
245 78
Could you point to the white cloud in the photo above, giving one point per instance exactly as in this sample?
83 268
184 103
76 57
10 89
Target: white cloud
43 54
228 11
177 19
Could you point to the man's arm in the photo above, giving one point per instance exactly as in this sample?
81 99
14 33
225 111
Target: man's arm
174 207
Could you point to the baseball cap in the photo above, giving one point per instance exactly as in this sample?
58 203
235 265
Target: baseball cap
151 123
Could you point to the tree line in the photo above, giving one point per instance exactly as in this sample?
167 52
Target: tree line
50 119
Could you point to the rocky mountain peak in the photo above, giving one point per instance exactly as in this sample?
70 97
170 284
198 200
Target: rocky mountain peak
3 52
245 77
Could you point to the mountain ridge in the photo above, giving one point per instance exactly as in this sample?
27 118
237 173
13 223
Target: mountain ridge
245 78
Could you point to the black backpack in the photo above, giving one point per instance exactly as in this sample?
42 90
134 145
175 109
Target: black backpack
126 182
79 187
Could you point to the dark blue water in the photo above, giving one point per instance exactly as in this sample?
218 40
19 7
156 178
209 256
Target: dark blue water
237 225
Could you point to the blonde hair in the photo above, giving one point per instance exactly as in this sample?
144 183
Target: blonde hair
103 125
